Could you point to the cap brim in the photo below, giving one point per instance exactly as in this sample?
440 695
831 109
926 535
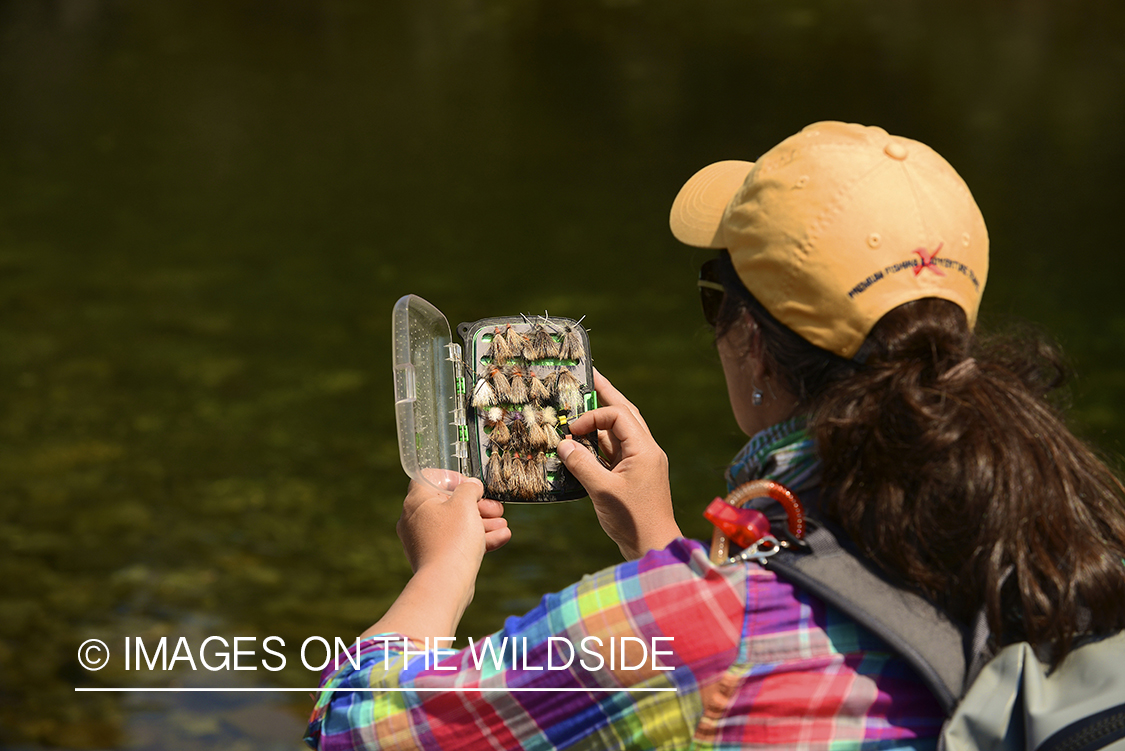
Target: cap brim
697 212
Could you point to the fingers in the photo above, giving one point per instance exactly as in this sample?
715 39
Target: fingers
625 429
584 466
418 493
496 533
497 539
470 489
491 525
496 530
609 445
490 509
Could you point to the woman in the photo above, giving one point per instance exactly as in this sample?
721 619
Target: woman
843 301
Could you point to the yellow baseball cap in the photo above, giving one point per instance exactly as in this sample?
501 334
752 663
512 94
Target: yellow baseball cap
837 225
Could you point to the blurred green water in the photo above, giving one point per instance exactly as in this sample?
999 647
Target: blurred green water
208 209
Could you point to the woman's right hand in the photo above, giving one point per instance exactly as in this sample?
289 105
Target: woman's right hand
632 498
444 537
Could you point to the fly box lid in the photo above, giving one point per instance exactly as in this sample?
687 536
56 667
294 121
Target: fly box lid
494 408
427 381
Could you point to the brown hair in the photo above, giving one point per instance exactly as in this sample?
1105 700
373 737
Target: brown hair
947 466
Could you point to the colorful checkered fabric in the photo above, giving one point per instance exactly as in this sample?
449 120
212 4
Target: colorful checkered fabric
756 664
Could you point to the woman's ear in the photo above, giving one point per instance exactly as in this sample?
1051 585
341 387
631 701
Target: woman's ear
755 359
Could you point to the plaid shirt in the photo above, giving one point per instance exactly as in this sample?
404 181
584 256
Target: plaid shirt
756 664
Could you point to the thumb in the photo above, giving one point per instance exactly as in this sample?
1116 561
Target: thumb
581 463
469 490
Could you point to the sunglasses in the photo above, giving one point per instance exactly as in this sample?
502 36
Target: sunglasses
711 289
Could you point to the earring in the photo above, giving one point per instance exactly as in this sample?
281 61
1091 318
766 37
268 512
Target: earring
756 398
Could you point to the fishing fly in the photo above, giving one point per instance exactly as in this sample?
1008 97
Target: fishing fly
570 342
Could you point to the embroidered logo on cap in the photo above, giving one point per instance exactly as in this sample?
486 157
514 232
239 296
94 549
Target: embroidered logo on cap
928 261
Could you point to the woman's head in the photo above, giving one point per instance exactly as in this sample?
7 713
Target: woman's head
941 458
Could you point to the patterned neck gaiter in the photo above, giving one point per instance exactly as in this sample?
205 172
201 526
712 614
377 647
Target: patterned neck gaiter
783 452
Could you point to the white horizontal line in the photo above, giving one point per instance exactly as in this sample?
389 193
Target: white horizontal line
380 690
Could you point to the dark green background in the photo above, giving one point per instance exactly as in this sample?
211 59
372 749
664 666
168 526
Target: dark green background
207 210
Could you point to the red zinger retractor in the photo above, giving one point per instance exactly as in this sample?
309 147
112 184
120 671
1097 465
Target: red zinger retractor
748 528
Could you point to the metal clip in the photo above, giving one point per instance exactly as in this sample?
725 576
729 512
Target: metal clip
759 551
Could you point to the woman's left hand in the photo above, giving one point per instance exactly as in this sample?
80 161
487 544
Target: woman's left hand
451 530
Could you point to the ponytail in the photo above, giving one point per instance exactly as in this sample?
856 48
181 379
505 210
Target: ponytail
947 466
945 463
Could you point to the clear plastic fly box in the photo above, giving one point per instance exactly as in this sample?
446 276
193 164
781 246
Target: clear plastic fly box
494 406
